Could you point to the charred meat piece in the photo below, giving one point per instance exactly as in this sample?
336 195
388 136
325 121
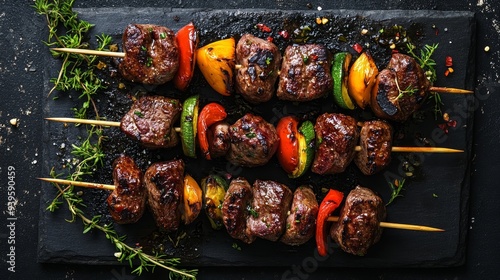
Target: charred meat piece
218 139
150 120
270 204
235 210
253 141
260 61
164 182
305 73
376 144
127 201
337 136
151 54
400 89
301 222
358 227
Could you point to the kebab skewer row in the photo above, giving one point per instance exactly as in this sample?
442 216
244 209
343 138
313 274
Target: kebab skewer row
267 209
251 141
305 72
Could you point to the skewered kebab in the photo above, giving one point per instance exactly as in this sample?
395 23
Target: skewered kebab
329 146
127 201
251 141
305 74
172 196
359 221
267 210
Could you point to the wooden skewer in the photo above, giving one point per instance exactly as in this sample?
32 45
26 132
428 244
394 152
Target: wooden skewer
398 226
121 54
331 219
79 184
357 149
450 90
89 52
93 122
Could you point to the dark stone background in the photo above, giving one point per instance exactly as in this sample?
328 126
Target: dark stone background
21 87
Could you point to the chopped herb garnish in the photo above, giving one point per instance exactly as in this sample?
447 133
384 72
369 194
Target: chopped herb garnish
236 246
251 135
396 188
269 60
149 61
143 48
139 114
163 35
252 212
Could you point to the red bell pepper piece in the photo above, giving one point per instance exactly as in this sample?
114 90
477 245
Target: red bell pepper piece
187 41
331 201
210 114
288 149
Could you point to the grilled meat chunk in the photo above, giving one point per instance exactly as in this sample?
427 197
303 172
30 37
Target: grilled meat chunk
253 141
127 201
270 204
376 144
260 61
400 89
150 120
305 73
358 227
218 139
164 182
301 222
337 135
235 208
151 54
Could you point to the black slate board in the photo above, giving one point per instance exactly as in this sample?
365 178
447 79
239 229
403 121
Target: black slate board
446 176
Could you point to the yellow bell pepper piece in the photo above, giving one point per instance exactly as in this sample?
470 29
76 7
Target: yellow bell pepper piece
192 200
362 79
216 62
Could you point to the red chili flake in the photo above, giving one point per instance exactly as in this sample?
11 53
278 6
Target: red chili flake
395 51
313 57
449 61
270 39
452 123
264 28
284 34
357 47
446 73
443 127
449 123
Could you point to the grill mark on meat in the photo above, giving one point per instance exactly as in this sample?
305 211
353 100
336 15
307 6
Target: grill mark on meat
337 135
253 141
127 201
151 54
359 222
301 222
305 73
234 210
164 182
260 61
403 72
150 120
271 202
376 144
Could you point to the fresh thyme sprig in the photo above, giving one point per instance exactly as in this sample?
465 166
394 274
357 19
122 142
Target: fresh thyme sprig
409 90
77 73
428 65
396 189
146 262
